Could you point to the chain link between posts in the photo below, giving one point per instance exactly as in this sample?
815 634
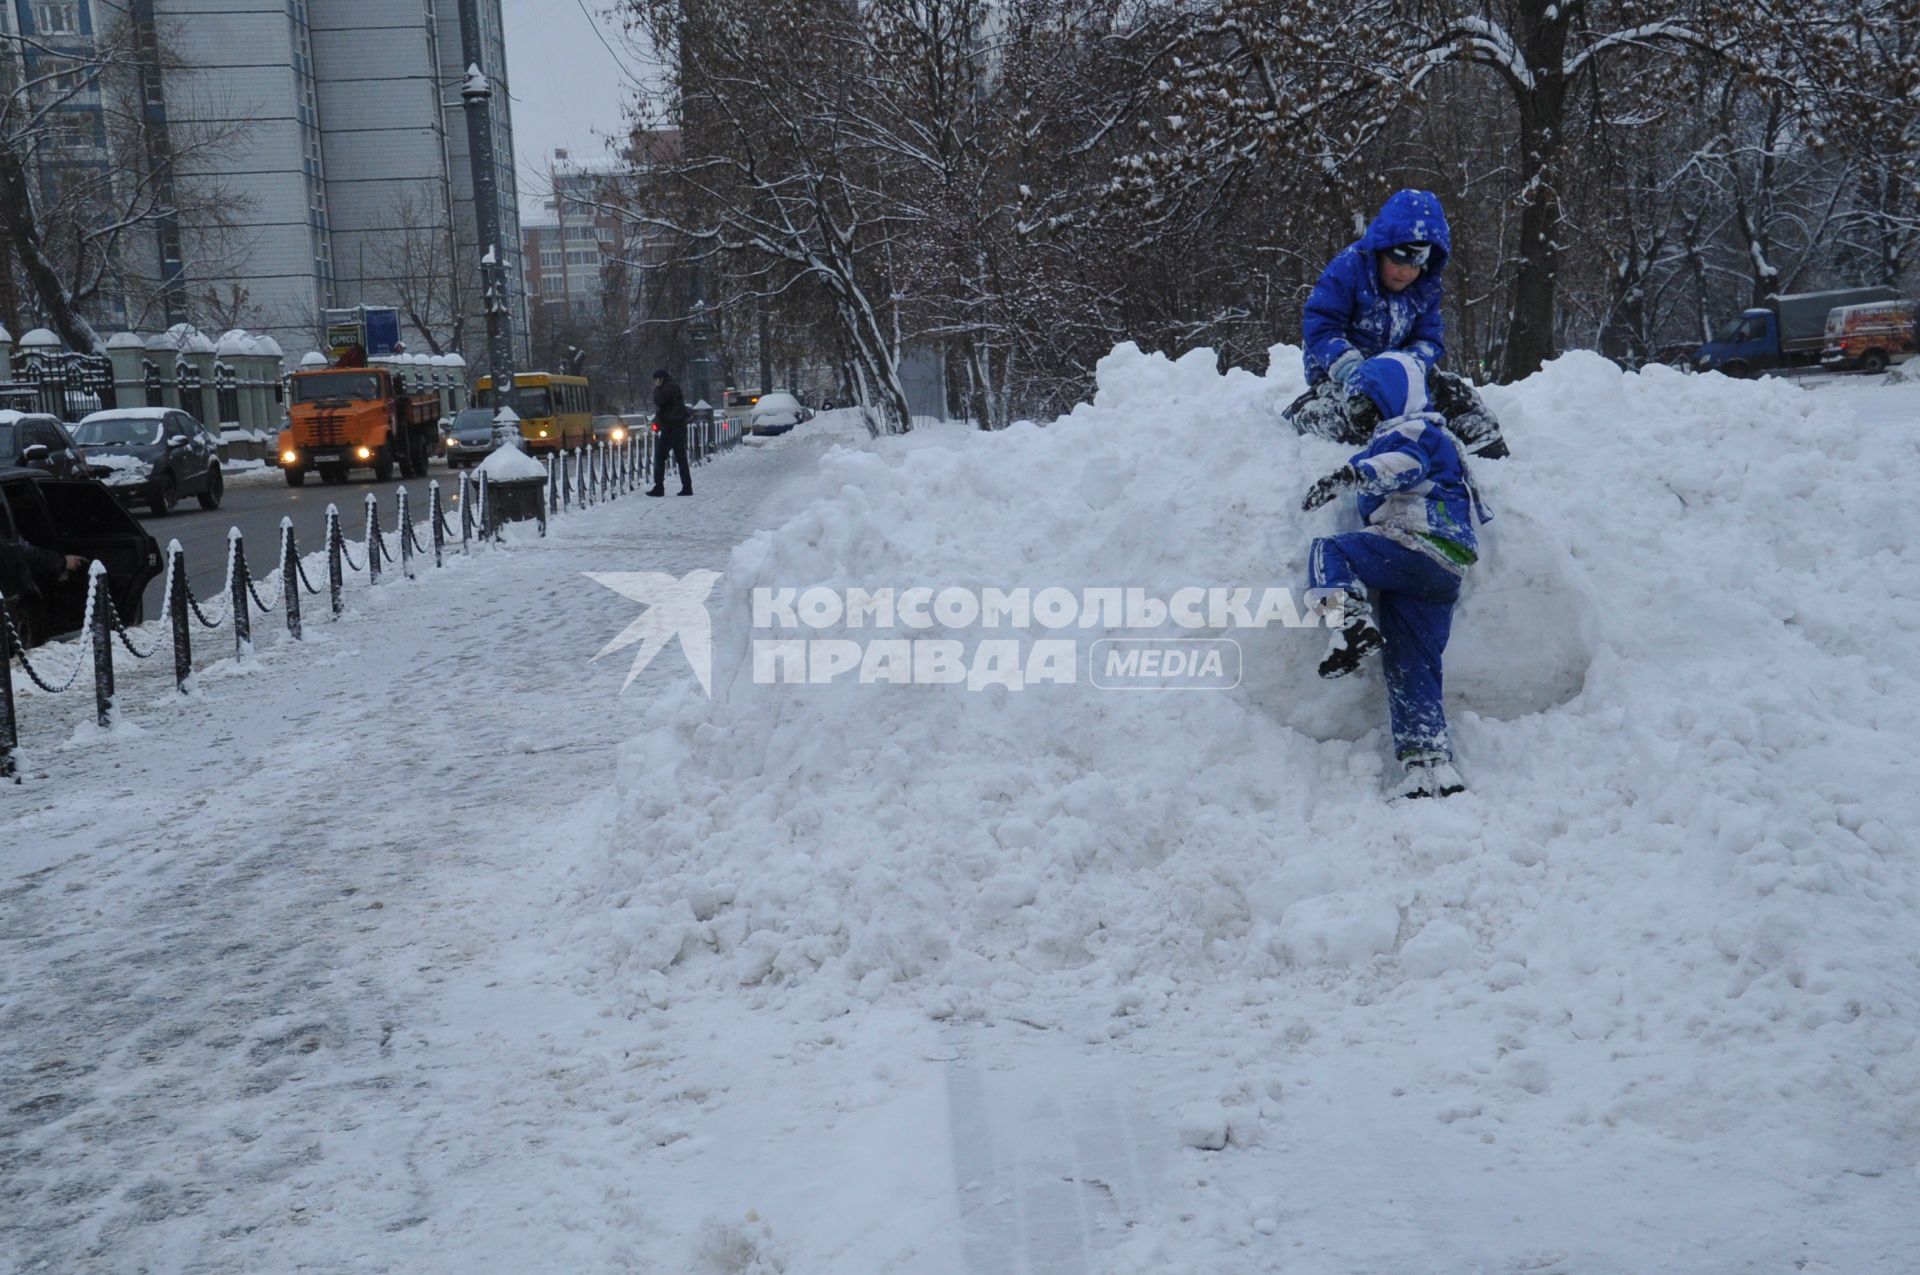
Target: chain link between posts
581 480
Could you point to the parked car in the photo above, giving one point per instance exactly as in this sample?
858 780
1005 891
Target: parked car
776 414
79 516
35 440
609 429
470 438
1872 337
153 456
637 424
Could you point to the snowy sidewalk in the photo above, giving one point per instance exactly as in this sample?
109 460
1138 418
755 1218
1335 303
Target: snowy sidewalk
255 1012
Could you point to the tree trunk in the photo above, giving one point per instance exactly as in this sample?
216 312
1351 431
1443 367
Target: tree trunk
1543 117
22 226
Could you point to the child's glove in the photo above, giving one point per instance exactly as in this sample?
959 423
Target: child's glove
1341 479
1345 366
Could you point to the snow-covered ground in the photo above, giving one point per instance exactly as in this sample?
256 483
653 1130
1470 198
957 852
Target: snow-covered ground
420 948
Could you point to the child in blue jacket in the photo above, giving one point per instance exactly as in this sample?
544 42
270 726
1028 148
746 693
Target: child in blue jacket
1383 293
1393 584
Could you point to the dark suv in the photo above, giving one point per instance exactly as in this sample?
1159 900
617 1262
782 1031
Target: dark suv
71 515
38 441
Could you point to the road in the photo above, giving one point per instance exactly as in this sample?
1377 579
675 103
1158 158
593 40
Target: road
256 503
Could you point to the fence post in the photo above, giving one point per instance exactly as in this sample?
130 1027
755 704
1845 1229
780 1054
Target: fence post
486 514
582 494
290 578
334 550
566 480
177 605
9 739
237 585
102 631
553 493
466 510
373 543
434 512
406 540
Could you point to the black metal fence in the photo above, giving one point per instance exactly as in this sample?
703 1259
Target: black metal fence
61 383
575 480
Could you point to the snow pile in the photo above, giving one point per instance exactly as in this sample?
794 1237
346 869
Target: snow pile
1681 893
837 425
507 462
121 470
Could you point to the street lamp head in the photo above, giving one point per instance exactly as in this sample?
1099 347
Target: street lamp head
476 87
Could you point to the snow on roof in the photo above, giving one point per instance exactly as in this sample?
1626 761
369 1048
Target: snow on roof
41 338
125 341
313 358
270 347
236 342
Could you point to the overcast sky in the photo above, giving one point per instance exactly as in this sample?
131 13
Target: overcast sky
568 89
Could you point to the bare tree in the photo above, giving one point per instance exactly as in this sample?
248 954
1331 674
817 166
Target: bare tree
85 183
414 259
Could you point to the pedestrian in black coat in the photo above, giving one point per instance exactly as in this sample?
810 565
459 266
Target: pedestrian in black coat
670 414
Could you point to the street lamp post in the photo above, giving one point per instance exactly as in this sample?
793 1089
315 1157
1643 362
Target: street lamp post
700 336
476 91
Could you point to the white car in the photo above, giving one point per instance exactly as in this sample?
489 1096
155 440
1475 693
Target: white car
776 414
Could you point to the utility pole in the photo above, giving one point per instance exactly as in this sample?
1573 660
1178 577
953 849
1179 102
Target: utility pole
477 92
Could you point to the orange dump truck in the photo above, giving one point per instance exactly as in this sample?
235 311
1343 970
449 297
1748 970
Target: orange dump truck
342 418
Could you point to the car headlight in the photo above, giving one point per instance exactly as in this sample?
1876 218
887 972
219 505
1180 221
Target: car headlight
619 435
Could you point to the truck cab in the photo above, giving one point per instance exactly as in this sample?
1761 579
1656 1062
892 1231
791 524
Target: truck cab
352 417
1744 347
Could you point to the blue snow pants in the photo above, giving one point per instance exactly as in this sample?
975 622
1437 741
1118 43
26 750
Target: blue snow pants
1412 597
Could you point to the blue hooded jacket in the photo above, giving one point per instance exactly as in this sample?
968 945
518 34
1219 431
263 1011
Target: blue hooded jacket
1414 485
1348 309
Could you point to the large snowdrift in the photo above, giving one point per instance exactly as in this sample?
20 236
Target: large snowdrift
1680 895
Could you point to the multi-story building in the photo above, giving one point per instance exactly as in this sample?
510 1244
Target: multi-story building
338 131
56 111
567 252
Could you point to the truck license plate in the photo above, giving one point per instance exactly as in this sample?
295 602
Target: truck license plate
327 458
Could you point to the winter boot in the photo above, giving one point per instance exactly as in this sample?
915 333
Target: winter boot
686 491
1320 413
1355 635
1429 775
1466 414
657 490
1481 433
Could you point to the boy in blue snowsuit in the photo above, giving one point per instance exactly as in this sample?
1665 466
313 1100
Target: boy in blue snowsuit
1393 584
1382 293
